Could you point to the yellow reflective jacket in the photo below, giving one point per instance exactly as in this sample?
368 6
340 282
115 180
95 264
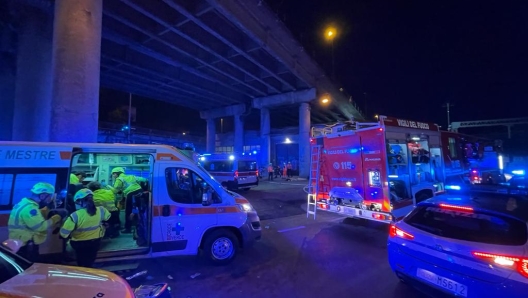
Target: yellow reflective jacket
74 179
83 226
105 198
127 184
26 222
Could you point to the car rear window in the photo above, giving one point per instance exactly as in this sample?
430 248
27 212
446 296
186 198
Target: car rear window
218 165
245 166
469 226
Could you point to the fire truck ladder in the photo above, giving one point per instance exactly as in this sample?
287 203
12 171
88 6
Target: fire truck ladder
313 183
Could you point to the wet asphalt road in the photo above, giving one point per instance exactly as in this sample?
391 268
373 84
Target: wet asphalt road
297 256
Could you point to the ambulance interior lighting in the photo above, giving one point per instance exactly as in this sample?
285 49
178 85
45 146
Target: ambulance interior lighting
231 157
415 138
518 172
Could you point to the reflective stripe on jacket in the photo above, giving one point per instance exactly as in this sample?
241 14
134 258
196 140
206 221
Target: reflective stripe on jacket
26 222
83 226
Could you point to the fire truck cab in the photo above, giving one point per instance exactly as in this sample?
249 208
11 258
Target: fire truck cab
471 160
377 171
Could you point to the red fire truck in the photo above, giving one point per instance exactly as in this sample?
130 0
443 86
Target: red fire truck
377 171
471 159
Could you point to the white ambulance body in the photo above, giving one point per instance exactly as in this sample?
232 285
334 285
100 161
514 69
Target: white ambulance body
232 171
187 210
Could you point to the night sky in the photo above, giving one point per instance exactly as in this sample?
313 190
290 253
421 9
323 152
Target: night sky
400 58
410 57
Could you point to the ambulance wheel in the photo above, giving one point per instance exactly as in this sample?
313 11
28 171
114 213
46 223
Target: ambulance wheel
221 247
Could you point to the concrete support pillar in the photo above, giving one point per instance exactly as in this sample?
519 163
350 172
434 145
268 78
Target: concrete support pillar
32 107
239 134
211 135
304 140
7 96
265 137
76 70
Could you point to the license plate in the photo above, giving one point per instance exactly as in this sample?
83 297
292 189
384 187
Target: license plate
445 283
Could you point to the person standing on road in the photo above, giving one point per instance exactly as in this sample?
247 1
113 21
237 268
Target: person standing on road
289 170
85 227
26 222
270 172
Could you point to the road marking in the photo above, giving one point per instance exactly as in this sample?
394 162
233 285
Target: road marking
291 229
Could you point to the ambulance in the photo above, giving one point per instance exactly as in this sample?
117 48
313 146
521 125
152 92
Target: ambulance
231 170
376 171
186 211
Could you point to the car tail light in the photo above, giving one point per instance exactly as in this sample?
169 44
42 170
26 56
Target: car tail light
256 173
516 263
236 174
456 208
394 231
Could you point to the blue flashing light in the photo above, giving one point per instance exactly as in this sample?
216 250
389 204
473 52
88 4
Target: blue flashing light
453 187
254 151
518 172
249 153
353 150
125 128
243 153
231 157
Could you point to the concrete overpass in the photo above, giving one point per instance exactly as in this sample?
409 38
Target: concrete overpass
221 57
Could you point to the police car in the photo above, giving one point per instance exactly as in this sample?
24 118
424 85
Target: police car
21 278
468 245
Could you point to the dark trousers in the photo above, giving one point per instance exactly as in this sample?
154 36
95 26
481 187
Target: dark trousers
29 252
270 176
114 224
86 251
129 205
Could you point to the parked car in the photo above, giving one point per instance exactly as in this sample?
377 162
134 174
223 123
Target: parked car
469 245
21 278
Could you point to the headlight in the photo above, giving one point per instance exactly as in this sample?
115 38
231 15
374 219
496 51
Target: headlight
246 207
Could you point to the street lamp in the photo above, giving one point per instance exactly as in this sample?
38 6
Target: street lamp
330 34
325 99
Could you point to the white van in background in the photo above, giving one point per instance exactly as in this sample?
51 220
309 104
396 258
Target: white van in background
232 171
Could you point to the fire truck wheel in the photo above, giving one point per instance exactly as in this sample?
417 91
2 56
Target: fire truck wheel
221 246
422 196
